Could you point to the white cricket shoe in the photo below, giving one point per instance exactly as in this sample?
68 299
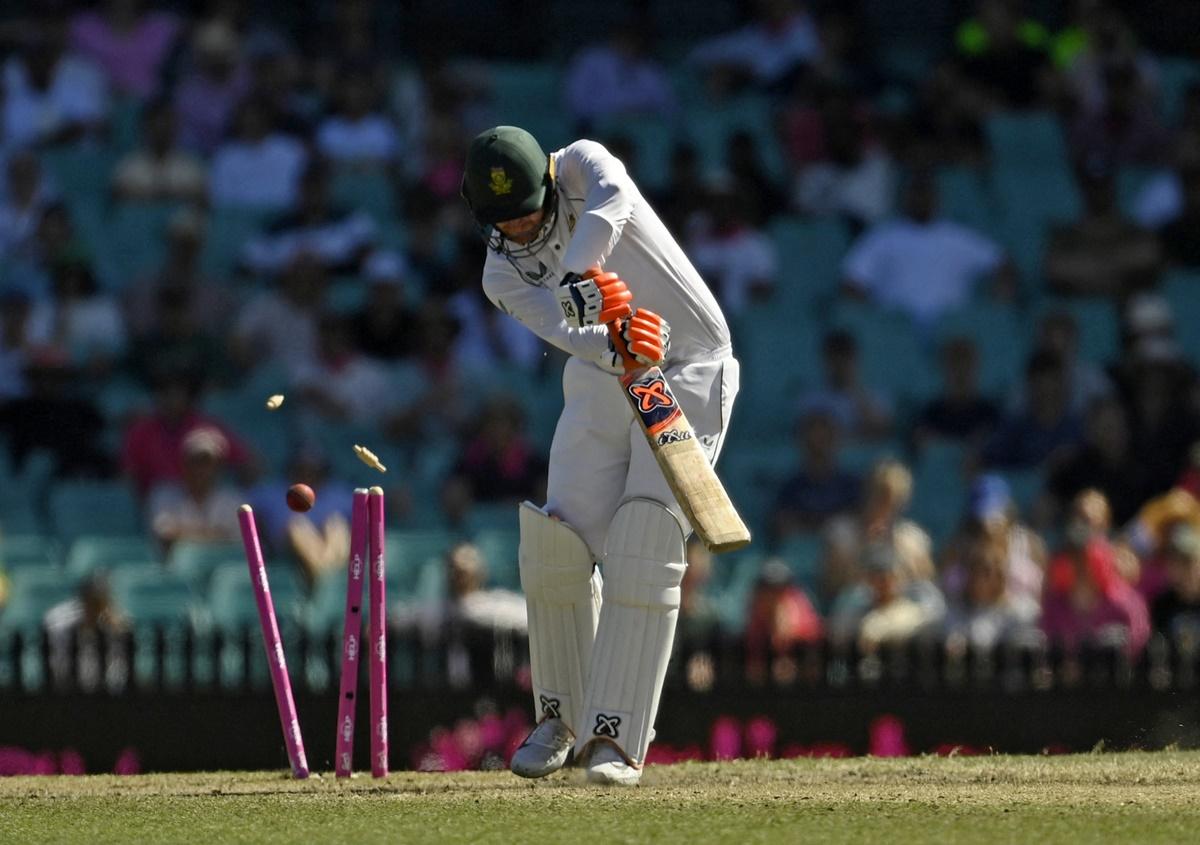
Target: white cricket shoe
607 766
544 751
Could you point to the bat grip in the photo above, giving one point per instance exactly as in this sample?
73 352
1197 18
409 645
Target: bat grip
614 334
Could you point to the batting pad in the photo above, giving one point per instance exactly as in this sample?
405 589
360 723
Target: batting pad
643 567
562 594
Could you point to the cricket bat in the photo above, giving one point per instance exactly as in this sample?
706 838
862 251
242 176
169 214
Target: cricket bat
680 457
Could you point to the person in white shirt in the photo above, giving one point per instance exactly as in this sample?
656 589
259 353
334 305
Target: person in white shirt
357 134
740 259
921 265
80 319
340 383
280 326
618 79
551 222
50 96
259 168
782 37
198 507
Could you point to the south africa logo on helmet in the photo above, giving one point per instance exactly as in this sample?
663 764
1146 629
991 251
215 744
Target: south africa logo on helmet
500 183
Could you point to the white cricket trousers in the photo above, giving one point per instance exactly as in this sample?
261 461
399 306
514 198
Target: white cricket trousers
600 457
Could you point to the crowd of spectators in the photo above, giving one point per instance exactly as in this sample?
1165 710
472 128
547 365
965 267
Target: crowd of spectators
353 285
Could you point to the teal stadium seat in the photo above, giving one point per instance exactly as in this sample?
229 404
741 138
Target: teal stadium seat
1182 289
195 562
498 547
1098 322
28 551
227 232
1000 334
1175 75
31 594
528 94
711 127
939 489
137 237
803 554
653 138
231 601
153 596
409 550
90 552
93 507
812 252
965 197
892 357
370 190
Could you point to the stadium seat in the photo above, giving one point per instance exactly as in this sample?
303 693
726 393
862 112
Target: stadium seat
803 553
1176 74
939 488
1182 289
891 355
152 596
999 332
1098 323
490 516
1026 486
369 190
733 601
1026 139
813 280
28 551
528 94
965 198
93 507
136 242
498 547
31 594
227 232
711 127
231 602
91 552
653 138
195 562
408 551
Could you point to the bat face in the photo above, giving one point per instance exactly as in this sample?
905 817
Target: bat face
683 462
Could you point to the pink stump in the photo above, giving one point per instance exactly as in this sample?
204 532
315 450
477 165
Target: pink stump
351 636
378 636
273 644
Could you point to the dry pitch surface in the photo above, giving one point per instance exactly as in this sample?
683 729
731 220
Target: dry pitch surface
1136 797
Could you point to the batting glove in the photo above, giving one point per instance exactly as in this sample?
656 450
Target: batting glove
594 298
646 337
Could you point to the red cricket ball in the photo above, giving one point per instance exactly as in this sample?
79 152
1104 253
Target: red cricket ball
300 497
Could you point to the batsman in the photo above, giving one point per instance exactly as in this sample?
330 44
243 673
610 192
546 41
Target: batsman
576 254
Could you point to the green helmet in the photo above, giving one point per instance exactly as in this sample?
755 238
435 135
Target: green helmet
506 176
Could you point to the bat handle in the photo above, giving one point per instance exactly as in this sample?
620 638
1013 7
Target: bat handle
614 334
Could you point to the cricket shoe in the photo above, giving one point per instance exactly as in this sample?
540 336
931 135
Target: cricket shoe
544 751
607 766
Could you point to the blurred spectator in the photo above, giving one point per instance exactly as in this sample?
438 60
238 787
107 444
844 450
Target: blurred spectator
340 383
152 451
1105 461
1146 316
280 326
176 340
1002 55
991 527
988 613
1058 333
132 45
1108 42
78 632
780 38
160 170
17 344
698 617
860 411
682 200
55 417
1126 129
26 196
1156 385
1087 601
888 607
1043 432
1148 536
945 124
81 320
439 397
50 96
1176 612
744 166
198 506
259 167
1102 254
383 327
779 618
853 178
920 264
738 259
619 78
357 132
319 540
960 412
498 463
207 95
208 300
879 520
278 78
822 489
1159 199
487 338
1181 236
338 238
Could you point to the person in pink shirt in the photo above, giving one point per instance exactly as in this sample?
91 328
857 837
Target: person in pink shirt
1087 601
130 44
152 451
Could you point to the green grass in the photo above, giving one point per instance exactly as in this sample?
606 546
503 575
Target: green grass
1134 797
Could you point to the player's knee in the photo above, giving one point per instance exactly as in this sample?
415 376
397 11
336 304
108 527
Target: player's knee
644 556
552 558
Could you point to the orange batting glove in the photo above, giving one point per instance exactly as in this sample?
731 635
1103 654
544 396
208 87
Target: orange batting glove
645 336
595 298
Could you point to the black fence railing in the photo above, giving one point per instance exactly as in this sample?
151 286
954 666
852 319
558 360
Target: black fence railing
182 659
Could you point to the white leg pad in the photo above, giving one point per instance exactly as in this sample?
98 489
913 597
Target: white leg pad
562 593
643 567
